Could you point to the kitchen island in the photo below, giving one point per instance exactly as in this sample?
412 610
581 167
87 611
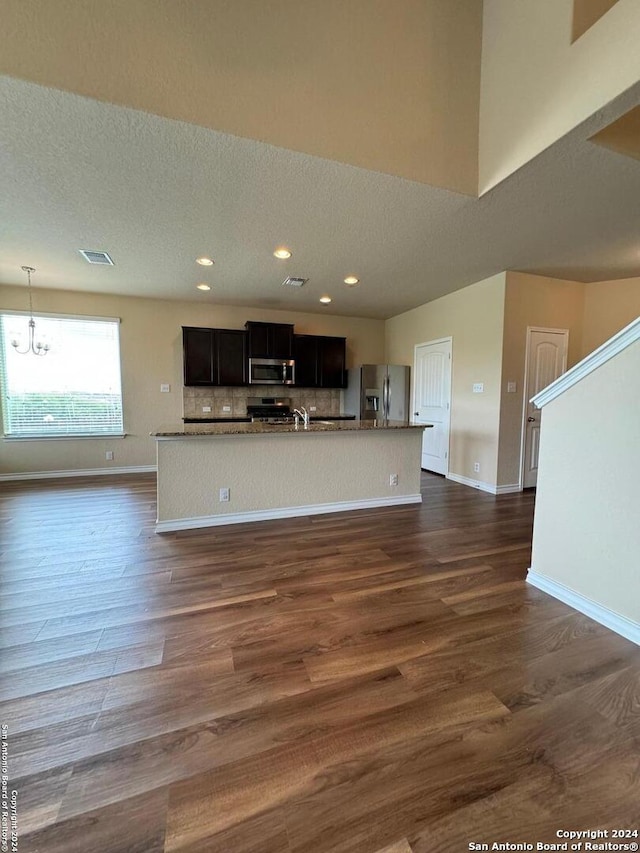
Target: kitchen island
229 473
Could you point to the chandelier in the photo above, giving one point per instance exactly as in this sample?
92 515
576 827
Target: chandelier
34 346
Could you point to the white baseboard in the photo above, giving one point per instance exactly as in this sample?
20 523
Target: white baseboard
467 481
609 618
509 489
78 472
484 487
281 512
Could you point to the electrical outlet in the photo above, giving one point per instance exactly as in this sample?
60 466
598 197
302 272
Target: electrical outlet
476 467
225 409
109 455
206 408
511 387
393 479
313 408
478 387
164 388
224 496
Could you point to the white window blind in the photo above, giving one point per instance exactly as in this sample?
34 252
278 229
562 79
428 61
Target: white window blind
74 390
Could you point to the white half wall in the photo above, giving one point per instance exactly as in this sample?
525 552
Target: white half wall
586 535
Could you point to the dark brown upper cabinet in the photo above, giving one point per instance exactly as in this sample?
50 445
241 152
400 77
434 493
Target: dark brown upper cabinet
197 356
332 362
269 340
214 356
220 356
231 357
305 353
320 361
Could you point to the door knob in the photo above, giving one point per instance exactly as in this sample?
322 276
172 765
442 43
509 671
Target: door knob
530 419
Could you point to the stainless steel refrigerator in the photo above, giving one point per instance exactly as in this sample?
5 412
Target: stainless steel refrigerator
378 392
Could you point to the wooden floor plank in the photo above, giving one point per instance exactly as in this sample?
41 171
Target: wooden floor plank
110 830
211 740
421 781
381 681
210 803
399 847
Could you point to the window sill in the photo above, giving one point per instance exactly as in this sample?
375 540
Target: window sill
63 437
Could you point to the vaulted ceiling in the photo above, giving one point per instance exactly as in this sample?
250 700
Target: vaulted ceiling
160 132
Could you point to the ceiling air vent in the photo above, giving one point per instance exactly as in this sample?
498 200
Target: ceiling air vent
96 257
295 282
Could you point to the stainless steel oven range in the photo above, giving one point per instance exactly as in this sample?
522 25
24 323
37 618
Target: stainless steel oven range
270 410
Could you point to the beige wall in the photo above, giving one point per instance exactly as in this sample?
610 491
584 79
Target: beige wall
474 318
586 533
488 427
389 85
531 300
536 85
622 135
586 13
151 352
487 321
609 306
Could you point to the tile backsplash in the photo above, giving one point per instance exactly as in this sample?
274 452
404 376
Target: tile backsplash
328 401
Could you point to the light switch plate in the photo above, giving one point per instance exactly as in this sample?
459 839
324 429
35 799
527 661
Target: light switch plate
206 408
165 388
478 387
511 387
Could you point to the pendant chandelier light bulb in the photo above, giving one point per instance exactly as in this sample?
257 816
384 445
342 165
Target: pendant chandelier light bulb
33 346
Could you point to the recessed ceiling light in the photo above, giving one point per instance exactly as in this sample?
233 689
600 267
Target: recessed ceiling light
325 300
282 252
204 262
203 287
351 280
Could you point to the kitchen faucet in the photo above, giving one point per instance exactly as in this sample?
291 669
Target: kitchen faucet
302 413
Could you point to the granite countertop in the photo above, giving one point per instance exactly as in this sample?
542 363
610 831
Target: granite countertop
210 429
242 419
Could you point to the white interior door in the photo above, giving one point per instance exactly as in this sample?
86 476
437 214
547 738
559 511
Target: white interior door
432 402
546 360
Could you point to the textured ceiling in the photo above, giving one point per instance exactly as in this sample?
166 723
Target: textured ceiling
156 193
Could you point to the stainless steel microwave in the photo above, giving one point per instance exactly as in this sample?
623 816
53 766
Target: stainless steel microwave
272 371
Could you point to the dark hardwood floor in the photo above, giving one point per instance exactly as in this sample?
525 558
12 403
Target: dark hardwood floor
370 681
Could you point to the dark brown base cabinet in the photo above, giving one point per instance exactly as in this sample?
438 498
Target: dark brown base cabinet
214 356
320 361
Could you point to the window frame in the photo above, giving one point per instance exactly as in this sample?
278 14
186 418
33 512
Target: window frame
80 436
